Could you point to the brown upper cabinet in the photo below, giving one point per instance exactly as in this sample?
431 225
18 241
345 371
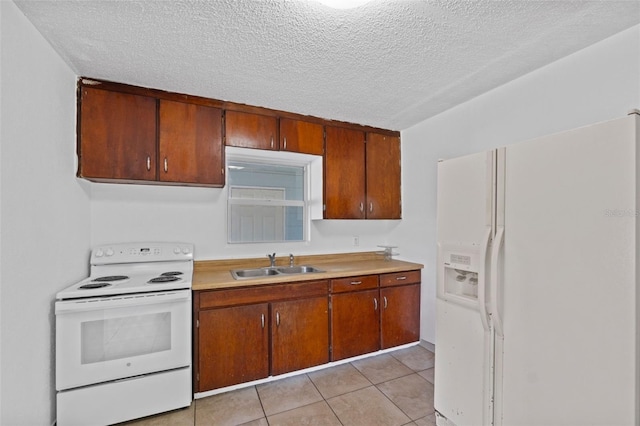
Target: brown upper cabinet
344 184
247 130
362 175
191 148
301 136
133 134
117 136
383 177
126 137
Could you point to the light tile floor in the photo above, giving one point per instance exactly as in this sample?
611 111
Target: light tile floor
390 389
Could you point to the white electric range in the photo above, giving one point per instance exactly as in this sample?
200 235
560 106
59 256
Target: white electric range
123 335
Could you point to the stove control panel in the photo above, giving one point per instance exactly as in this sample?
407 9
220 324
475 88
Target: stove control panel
141 252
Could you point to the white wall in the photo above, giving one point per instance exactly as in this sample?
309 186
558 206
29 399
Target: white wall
598 83
45 214
121 213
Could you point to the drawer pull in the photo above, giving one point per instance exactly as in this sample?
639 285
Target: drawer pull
401 278
355 282
148 163
375 304
262 320
385 302
278 318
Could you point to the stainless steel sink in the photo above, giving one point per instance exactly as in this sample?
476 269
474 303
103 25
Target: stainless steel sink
241 274
253 273
298 269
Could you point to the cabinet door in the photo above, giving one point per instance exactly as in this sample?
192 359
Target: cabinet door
233 346
300 334
399 315
191 148
301 136
383 177
247 130
355 324
117 137
344 178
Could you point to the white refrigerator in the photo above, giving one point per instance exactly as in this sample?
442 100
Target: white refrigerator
537 311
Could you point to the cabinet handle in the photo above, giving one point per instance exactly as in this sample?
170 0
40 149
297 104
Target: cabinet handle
355 282
370 207
402 278
166 165
361 207
277 318
148 162
262 320
375 304
272 141
285 143
385 301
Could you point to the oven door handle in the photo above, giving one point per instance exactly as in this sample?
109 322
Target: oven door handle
139 299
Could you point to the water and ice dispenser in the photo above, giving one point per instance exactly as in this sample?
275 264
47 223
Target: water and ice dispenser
461 266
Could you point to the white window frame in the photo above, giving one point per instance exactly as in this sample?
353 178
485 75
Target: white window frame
312 204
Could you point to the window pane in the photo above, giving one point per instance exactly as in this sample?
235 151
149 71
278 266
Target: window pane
256 223
294 230
287 178
260 202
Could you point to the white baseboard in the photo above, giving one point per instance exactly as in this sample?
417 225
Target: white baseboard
428 345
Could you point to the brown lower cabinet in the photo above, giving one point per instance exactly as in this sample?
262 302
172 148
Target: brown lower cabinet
299 334
399 308
254 332
233 345
399 315
355 324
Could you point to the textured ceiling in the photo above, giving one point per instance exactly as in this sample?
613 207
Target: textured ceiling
388 64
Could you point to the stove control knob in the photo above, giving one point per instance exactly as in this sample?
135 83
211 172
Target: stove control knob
99 253
185 250
109 252
176 250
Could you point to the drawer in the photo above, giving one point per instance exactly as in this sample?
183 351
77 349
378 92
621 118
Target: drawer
362 282
400 278
262 294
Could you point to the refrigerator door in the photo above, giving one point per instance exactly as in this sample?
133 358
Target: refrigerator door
569 292
463 337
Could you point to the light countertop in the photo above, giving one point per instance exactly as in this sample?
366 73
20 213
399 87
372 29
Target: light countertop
216 274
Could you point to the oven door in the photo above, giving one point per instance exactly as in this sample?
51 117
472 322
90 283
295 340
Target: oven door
109 338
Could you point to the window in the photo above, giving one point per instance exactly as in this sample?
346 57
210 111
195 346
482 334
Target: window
270 195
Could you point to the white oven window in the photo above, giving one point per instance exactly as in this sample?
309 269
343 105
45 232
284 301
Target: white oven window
125 337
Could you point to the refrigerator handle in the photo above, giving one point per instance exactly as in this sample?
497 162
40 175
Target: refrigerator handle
495 280
481 279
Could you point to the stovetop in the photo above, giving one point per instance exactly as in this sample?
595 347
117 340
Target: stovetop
135 268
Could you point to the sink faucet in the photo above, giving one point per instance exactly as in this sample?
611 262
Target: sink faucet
272 259
290 259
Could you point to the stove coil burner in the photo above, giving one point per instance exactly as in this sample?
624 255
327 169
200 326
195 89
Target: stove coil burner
110 278
170 274
94 285
164 279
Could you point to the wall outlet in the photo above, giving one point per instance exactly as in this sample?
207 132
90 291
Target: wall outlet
356 241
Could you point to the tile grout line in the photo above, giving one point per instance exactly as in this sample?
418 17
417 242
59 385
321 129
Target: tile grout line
325 400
